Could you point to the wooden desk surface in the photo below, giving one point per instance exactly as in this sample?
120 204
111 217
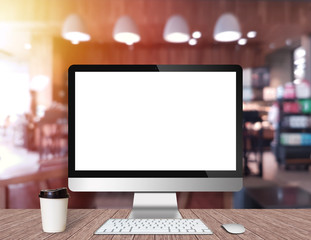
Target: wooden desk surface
81 224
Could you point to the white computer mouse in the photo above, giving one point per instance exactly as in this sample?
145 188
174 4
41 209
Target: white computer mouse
234 228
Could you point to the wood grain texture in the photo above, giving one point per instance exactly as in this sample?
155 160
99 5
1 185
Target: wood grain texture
12 226
301 213
191 214
82 223
214 224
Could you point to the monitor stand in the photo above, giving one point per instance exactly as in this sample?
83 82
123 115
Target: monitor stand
155 205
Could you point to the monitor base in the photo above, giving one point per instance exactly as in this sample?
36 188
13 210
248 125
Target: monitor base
155 205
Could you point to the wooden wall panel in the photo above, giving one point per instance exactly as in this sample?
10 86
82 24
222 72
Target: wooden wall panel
66 54
150 15
275 21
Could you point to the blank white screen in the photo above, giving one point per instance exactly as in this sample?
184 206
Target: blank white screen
155 121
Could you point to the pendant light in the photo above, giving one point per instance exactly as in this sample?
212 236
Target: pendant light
74 29
227 28
126 31
176 30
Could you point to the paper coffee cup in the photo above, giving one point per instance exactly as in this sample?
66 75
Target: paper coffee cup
54 204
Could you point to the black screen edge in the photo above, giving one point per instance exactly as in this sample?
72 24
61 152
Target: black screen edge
152 174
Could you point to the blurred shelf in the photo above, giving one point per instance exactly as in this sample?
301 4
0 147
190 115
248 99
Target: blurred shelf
296 114
292 130
292 99
296 146
291 154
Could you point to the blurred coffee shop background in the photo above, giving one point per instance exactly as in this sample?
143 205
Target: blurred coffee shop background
271 40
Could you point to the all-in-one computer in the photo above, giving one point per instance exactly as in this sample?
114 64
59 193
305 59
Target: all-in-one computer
155 130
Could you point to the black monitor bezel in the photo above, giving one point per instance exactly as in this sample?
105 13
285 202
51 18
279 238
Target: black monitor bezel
73 173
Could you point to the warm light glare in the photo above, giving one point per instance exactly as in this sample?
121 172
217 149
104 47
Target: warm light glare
39 82
193 42
251 34
127 38
14 91
76 37
228 36
257 126
242 41
27 46
196 34
177 37
41 110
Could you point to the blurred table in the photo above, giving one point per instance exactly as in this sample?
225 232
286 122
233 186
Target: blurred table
82 223
279 197
39 178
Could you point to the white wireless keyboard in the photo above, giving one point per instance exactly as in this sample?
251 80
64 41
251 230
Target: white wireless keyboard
153 226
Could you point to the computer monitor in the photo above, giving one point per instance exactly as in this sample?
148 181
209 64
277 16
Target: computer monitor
155 130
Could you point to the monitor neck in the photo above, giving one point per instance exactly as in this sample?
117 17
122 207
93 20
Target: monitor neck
155 205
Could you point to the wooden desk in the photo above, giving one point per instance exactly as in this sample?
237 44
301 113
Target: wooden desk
81 224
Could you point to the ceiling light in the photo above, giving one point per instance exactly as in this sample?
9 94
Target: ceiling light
74 29
27 46
196 34
227 28
299 72
176 30
300 61
251 34
192 42
126 31
299 52
242 41
301 66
